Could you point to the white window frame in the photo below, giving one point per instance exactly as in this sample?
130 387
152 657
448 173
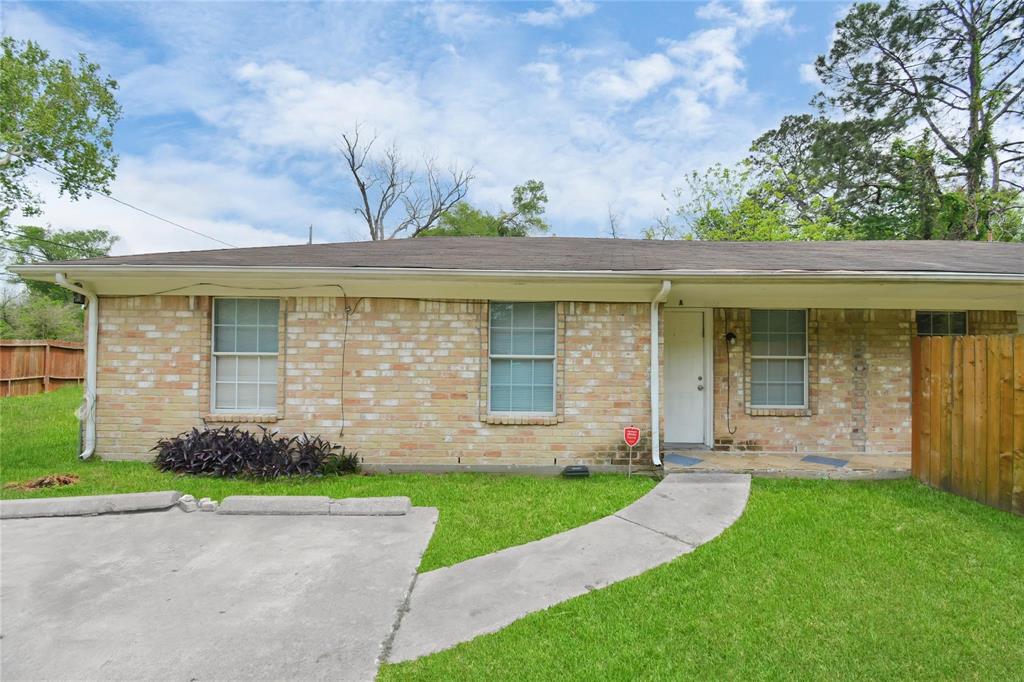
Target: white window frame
804 357
490 367
215 355
967 321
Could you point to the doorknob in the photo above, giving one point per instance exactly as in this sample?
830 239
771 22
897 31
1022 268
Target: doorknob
700 387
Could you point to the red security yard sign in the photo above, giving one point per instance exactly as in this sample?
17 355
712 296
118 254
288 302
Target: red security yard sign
631 435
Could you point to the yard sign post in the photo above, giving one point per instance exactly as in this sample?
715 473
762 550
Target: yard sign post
631 435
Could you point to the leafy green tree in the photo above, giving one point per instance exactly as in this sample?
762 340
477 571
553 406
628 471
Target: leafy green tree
55 113
27 244
916 136
35 316
726 203
952 67
855 175
9 305
525 218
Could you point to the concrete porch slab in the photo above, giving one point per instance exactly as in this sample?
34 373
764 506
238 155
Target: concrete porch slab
858 466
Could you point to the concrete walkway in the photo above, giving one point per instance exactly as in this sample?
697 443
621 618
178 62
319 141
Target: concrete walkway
457 603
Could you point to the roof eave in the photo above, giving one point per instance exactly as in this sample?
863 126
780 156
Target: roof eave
47 270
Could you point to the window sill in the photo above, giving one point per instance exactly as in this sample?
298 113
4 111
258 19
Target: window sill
779 411
239 418
522 420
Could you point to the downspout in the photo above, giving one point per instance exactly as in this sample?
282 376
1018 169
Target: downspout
655 374
87 412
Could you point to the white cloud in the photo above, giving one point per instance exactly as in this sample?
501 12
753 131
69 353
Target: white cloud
546 71
633 80
579 153
459 19
752 15
220 200
685 115
266 95
809 75
708 61
711 61
558 13
574 9
294 109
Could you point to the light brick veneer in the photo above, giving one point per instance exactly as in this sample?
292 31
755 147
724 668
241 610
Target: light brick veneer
150 362
415 386
859 364
992 322
415 380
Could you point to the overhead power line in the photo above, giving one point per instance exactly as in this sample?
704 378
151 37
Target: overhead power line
33 256
19 233
42 166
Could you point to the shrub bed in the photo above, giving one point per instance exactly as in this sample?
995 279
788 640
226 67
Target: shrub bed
233 451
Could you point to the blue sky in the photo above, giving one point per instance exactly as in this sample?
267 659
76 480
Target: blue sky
232 110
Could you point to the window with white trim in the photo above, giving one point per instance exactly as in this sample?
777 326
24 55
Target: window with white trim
522 358
245 354
778 358
941 323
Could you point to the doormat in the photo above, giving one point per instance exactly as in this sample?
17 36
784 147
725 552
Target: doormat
683 460
827 461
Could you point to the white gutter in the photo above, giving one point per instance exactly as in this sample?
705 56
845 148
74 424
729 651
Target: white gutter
38 270
655 374
87 412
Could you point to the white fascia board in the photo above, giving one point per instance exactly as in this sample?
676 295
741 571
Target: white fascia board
712 289
45 272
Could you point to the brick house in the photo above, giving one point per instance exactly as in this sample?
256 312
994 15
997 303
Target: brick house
492 352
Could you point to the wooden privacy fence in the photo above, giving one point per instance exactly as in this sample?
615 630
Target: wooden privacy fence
968 417
28 367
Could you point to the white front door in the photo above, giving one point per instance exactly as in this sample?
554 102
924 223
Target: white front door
685 378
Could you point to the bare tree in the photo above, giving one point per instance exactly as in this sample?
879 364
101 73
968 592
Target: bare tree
385 181
613 222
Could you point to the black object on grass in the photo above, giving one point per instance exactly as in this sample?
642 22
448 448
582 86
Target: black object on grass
576 471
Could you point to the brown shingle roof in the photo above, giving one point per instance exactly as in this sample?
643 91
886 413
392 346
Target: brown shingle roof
567 254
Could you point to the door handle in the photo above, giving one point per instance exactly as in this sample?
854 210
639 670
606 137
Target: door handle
700 387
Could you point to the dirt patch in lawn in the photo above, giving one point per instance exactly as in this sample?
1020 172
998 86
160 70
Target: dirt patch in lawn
51 481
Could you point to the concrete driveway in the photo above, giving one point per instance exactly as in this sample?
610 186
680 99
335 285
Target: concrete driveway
175 596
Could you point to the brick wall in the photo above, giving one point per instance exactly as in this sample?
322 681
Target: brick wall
415 380
859 389
415 385
982 322
150 364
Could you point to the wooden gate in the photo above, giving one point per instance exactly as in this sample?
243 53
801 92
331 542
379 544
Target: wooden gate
968 417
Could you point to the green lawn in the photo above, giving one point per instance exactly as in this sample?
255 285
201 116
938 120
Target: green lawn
817 580
479 513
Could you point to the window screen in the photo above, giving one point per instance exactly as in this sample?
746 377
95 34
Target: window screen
778 363
245 354
941 323
522 355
